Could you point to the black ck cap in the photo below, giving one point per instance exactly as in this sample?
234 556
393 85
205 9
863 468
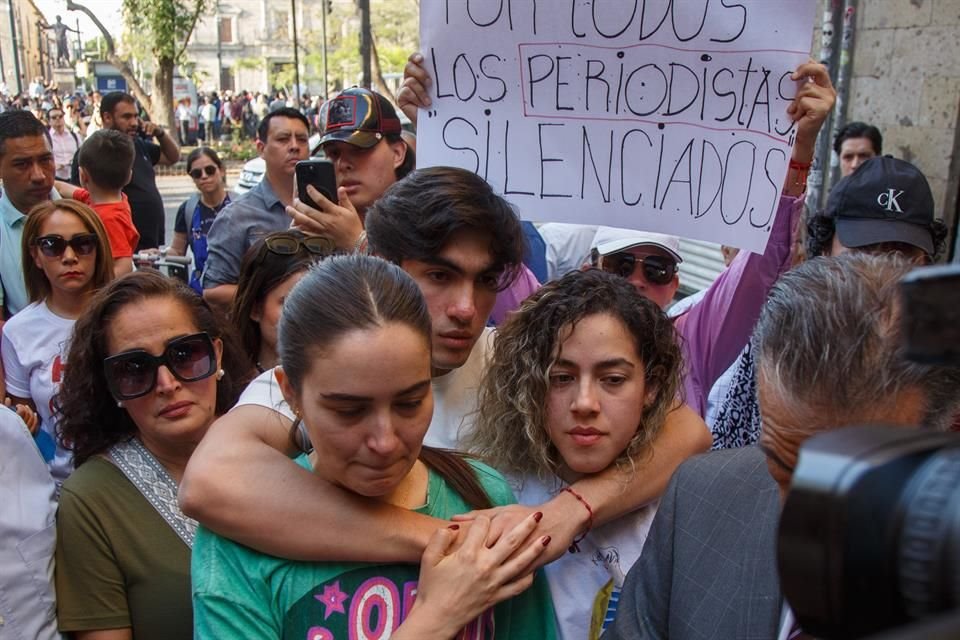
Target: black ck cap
358 116
884 200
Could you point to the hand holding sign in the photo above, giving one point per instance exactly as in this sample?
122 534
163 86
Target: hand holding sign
414 90
676 123
810 107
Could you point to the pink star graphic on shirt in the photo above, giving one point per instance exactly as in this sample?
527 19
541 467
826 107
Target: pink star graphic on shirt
333 599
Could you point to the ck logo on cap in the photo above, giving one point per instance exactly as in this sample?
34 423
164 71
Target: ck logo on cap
888 200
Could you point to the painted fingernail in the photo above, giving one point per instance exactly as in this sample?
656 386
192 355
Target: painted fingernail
545 541
538 516
453 527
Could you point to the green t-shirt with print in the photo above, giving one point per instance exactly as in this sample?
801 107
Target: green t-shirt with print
240 593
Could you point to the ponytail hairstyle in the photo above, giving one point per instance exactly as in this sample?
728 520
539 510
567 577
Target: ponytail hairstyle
346 293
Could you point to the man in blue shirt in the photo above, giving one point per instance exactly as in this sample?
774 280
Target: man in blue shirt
282 142
28 169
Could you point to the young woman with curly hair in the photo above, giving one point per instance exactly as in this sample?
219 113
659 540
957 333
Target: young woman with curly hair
581 379
65 258
151 367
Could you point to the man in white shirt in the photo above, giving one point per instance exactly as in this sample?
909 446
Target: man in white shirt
27 528
65 143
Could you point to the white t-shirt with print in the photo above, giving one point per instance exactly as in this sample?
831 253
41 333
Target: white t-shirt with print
35 344
454 397
586 585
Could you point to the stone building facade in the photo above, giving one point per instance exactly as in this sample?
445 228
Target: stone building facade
905 80
240 44
20 44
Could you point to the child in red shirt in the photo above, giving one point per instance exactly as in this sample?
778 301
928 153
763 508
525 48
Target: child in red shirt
106 165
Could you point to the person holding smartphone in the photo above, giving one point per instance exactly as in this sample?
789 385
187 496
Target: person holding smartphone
282 142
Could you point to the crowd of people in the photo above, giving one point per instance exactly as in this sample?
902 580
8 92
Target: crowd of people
213 117
400 411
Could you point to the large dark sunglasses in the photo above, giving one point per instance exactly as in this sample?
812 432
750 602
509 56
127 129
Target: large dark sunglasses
54 246
132 374
290 245
196 174
656 269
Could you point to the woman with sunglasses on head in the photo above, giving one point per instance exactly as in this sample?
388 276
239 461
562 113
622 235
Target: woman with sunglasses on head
581 380
355 346
196 213
268 272
65 259
151 367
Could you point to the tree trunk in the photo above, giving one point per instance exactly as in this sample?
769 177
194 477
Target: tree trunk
379 83
122 66
162 112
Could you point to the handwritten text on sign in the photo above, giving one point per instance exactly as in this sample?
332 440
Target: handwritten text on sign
663 115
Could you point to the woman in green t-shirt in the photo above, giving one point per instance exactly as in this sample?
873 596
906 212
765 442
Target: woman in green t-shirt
355 346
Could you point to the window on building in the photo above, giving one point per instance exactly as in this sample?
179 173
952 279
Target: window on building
225 30
226 79
281 25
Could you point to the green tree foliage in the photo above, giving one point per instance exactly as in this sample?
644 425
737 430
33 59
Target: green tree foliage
161 27
165 24
396 34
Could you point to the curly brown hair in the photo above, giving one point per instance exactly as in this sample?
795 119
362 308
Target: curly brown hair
510 431
90 422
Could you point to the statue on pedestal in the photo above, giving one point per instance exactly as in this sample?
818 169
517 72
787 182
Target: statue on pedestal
60 30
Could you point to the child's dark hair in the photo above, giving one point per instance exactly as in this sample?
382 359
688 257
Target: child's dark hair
107 155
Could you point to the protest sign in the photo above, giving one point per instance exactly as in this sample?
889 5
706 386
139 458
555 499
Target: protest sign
662 115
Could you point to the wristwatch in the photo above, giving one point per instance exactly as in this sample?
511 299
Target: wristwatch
159 133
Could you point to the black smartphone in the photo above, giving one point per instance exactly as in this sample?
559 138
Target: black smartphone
321 175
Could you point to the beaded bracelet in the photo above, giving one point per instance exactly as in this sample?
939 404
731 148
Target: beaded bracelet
575 546
360 247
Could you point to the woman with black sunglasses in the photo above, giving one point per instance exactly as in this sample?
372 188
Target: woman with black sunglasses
65 259
151 367
196 213
268 272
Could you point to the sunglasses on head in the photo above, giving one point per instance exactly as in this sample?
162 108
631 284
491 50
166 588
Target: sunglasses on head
290 245
656 269
210 169
132 374
54 246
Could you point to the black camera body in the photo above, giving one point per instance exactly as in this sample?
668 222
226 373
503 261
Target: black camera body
870 531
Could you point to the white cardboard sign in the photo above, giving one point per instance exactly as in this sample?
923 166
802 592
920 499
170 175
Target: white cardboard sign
661 115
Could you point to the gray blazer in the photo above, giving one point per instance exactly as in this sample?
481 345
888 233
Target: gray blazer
708 569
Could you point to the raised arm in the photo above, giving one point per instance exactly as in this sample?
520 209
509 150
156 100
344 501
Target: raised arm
414 90
169 150
241 483
716 329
